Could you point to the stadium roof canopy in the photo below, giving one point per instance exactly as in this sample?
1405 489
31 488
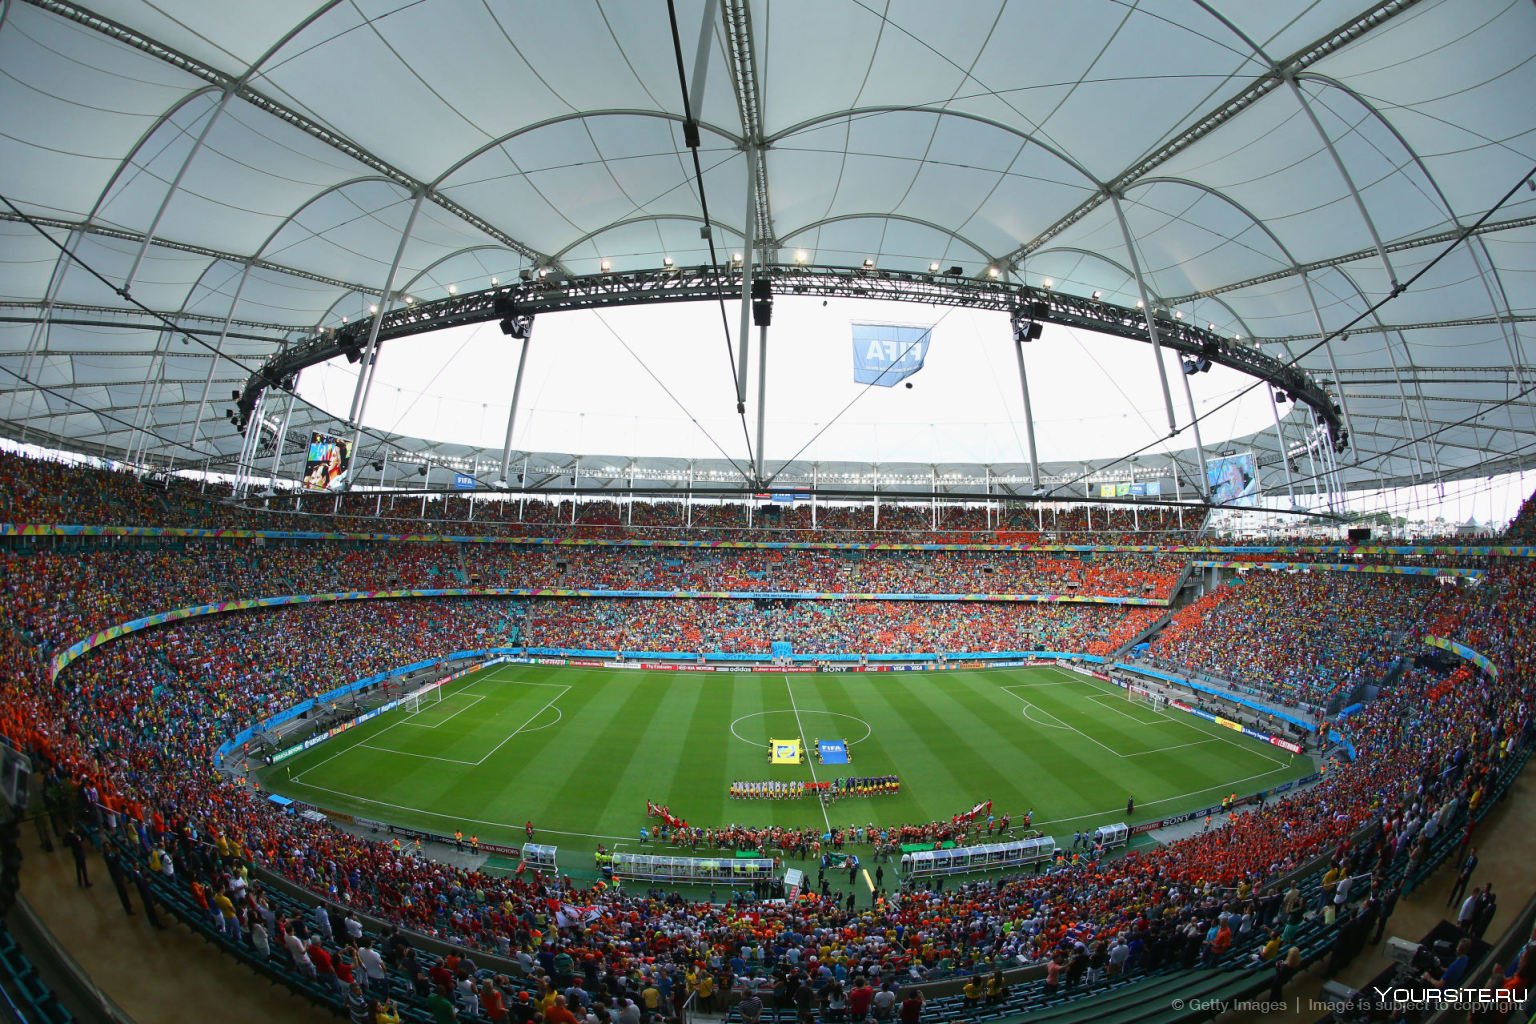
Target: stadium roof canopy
247 173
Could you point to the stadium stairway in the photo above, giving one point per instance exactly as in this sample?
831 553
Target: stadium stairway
23 991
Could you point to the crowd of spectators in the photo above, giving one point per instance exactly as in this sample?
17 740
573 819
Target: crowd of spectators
1299 637
831 627
1522 529
46 491
1104 574
135 723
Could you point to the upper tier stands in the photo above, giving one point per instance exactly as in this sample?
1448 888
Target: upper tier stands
1300 637
42 491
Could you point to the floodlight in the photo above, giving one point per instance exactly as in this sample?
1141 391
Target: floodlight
1048 284
933 268
453 289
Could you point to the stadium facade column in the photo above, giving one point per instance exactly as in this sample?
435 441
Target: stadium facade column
1146 309
1322 332
813 494
378 505
218 353
1194 421
248 446
748 240
366 372
517 390
762 398
40 329
1285 456
149 393
175 186
282 435
1029 416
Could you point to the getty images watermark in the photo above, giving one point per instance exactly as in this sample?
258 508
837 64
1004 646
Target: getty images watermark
1371 998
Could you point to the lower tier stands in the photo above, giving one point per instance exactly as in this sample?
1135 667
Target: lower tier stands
1300 638
134 725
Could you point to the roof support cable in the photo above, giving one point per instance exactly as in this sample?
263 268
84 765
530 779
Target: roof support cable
168 324
1461 236
692 140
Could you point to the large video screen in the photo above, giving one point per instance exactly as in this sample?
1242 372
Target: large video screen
329 459
1232 478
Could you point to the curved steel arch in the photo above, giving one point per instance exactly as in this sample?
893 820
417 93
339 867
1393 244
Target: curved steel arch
579 115
1286 252
904 218
444 259
1090 254
852 112
1413 154
644 219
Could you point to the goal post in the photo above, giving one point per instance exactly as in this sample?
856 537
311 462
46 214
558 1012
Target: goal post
1141 695
412 702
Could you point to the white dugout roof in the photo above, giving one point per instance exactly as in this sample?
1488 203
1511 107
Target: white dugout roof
249 171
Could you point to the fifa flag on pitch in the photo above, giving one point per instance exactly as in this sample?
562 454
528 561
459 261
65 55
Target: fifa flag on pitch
887 354
785 751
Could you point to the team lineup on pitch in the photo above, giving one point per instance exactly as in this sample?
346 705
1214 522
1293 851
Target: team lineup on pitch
581 752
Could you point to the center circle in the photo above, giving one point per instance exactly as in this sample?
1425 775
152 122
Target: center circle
868 730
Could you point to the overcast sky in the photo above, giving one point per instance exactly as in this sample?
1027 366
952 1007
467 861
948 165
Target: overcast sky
598 381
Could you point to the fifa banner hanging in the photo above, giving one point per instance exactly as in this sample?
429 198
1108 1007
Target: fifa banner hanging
785 752
329 459
887 354
1232 478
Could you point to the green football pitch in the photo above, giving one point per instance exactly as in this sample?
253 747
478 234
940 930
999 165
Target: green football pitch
579 751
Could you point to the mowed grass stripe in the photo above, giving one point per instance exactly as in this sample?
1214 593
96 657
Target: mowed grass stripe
562 768
472 732
440 786
697 770
932 747
1061 773
643 768
1236 749
879 754
625 736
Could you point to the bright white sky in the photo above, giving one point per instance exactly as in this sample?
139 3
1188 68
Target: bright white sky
590 389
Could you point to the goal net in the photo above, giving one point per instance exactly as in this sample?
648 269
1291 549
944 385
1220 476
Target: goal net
1141 695
412 703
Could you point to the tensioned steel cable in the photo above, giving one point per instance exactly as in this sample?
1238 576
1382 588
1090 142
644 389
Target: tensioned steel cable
174 328
690 132
1337 332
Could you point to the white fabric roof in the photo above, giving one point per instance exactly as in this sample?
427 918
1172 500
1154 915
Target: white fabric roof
249 170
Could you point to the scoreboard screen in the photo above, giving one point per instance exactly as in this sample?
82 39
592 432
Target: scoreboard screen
328 462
